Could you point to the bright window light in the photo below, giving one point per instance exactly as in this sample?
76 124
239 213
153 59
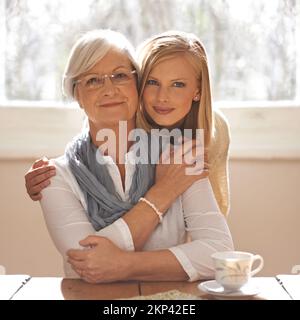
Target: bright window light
251 44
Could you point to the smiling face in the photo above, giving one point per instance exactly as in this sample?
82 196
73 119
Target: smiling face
170 89
113 102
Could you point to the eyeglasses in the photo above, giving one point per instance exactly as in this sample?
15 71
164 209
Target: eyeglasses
95 81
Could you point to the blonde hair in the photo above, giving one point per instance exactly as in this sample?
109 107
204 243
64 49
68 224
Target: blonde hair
88 50
167 44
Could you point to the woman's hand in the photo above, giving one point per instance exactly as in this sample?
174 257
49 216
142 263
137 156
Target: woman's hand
38 177
181 167
176 171
100 261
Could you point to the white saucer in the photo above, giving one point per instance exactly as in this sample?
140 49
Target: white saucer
214 288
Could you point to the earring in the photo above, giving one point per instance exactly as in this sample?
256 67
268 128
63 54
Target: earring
196 98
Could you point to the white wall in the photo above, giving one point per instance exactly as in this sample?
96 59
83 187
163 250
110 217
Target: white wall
265 211
25 246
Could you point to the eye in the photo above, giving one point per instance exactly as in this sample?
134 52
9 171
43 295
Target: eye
120 76
179 84
93 81
152 82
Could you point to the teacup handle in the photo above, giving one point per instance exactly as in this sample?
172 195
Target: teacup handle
260 266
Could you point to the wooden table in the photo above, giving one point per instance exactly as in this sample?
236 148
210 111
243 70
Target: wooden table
52 288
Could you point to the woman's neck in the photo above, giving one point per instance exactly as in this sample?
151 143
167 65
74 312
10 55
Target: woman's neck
113 138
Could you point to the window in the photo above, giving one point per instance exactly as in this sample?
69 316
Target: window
251 44
253 49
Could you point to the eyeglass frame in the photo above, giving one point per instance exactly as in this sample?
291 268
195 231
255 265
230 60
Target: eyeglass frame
104 76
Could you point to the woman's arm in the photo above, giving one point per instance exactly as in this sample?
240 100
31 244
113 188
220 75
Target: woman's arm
207 228
102 261
62 208
171 182
208 231
67 221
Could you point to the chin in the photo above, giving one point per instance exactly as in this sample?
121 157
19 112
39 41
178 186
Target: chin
165 123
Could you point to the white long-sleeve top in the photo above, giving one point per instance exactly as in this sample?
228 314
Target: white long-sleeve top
194 213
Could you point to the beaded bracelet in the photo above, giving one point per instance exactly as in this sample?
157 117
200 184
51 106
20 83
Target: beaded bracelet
160 214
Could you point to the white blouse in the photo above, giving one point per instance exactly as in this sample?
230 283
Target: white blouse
194 215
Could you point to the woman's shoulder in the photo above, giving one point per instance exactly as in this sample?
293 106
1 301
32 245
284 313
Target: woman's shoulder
63 173
63 169
60 162
62 166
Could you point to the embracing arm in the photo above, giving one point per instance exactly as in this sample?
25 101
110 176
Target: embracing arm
67 221
209 233
103 261
171 182
67 224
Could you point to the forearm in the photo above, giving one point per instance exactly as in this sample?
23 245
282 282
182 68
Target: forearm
142 219
153 266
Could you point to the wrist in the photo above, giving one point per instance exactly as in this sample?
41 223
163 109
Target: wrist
128 266
161 197
138 266
153 207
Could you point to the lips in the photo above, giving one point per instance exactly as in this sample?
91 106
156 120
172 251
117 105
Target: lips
111 104
162 110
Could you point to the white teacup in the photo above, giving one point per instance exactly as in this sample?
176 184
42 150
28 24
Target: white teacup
234 268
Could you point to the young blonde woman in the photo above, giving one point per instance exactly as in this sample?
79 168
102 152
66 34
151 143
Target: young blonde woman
162 57
131 233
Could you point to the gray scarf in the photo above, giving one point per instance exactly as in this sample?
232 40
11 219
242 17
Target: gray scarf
104 205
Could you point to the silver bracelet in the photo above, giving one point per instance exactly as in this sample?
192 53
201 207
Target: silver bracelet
160 214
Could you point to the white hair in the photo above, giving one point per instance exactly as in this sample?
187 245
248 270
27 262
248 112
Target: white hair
88 50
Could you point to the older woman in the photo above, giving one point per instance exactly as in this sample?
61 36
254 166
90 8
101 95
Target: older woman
84 196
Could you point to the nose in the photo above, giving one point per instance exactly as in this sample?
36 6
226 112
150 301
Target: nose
108 89
162 94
